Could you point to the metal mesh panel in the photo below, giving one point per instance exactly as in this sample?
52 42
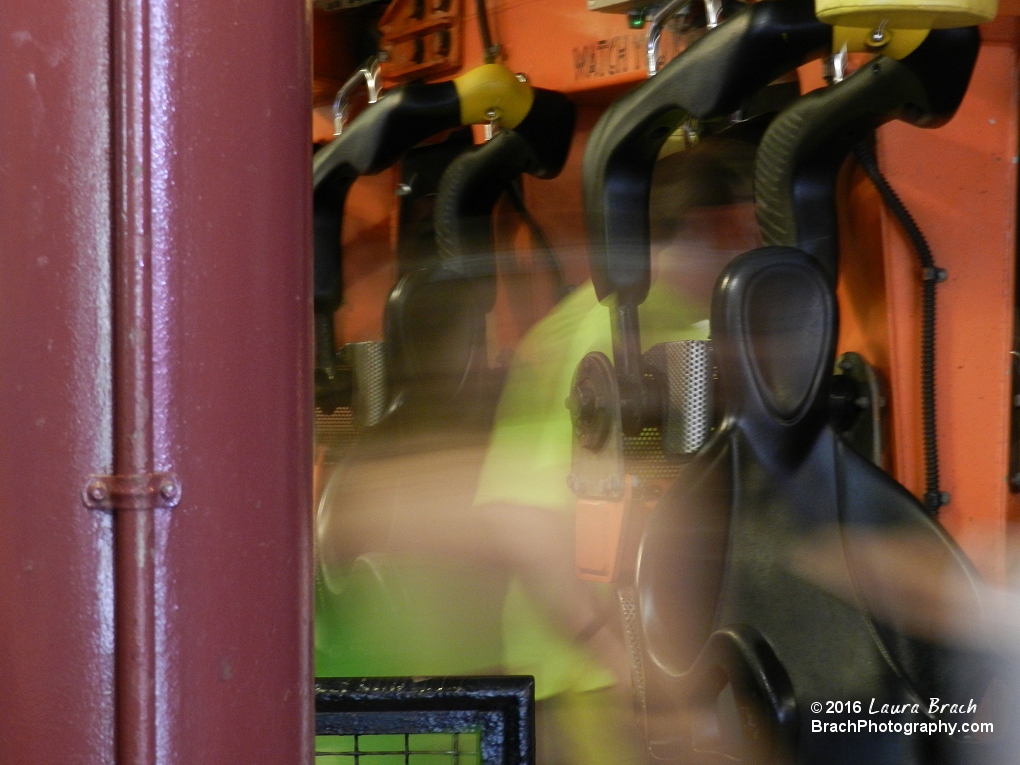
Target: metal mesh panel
368 362
686 369
337 432
643 456
627 597
689 413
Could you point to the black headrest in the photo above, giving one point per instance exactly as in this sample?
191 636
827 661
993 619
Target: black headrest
774 326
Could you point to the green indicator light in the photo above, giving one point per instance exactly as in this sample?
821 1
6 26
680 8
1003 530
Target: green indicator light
636 18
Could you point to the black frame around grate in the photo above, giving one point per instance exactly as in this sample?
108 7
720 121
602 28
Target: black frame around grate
501 710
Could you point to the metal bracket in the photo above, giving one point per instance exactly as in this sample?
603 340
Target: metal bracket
131 492
596 470
713 14
834 66
662 15
369 73
858 406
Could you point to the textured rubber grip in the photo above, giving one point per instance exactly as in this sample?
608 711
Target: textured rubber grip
802 150
468 192
710 79
474 182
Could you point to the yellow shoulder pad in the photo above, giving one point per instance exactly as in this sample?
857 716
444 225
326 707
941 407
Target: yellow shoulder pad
492 89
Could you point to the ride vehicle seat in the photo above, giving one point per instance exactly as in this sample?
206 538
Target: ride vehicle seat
737 643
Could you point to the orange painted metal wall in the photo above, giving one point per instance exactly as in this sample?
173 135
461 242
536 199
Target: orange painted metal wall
960 184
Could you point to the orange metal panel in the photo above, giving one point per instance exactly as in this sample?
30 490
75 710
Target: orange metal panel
960 184
557 205
564 46
332 54
370 263
863 324
420 41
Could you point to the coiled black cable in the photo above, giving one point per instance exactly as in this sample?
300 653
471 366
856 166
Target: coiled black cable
934 498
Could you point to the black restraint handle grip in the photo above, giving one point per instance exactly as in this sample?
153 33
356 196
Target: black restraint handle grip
474 182
710 79
373 141
548 129
802 150
328 202
370 143
384 132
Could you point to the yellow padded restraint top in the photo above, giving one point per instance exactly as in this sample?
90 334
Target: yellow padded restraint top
491 91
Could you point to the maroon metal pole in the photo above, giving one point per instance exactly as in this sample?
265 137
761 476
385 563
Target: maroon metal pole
134 538
230 185
173 342
211 197
56 664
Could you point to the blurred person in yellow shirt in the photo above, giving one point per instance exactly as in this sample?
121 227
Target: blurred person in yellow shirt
506 557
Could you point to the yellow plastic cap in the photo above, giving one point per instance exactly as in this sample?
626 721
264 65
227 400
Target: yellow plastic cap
493 91
906 14
895 43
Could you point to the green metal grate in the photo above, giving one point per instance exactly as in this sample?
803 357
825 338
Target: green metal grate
425 721
399 749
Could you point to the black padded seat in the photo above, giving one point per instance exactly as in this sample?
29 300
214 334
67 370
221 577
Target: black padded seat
737 644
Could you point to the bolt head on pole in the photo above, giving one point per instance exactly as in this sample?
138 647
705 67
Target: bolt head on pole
168 490
97 491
